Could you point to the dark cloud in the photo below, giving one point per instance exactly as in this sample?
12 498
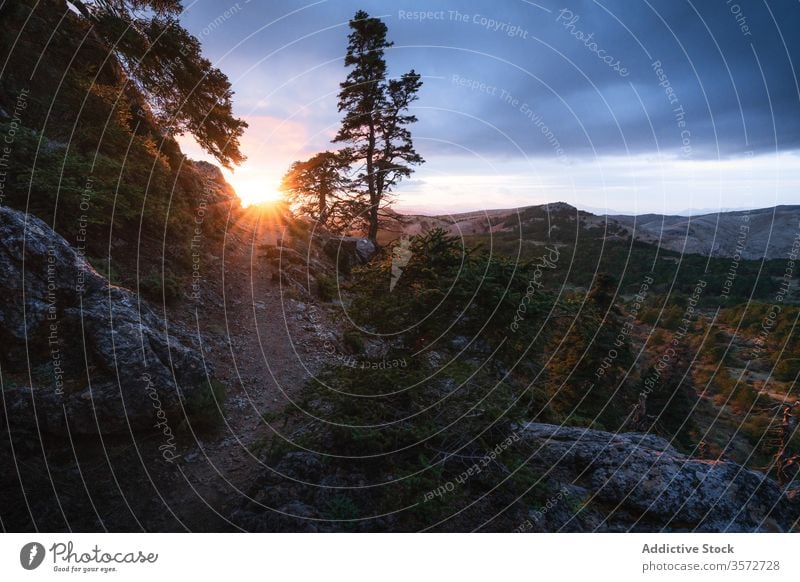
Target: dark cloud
729 64
697 80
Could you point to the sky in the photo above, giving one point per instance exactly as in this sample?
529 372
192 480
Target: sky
629 106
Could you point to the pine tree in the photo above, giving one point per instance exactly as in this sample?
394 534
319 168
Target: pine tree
376 120
164 63
317 188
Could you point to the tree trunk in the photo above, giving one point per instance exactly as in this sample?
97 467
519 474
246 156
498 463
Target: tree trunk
373 224
374 195
323 206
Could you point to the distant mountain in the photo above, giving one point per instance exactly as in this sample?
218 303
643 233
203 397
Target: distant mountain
602 211
764 233
754 234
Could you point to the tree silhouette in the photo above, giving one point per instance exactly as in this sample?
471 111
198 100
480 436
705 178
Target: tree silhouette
318 188
375 125
164 62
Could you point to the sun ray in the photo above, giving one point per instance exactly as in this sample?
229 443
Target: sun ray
255 191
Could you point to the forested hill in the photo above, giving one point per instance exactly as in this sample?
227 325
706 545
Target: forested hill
86 152
769 233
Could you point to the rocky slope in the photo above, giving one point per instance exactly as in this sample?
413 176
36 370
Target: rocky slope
640 482
106 397
597 481
77 352
96 391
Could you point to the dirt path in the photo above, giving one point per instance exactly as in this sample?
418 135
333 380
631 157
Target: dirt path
263 346
262 342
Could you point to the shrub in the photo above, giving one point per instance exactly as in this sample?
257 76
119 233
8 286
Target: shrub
204 406
353 341
327 287
158 288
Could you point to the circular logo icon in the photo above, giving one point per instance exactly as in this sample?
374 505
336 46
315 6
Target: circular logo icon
31 555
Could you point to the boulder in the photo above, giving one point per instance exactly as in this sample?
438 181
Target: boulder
350 251
639 482
75 350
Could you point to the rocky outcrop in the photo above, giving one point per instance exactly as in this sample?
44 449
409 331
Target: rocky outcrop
216 190
586 481
350 251
638 482
76 351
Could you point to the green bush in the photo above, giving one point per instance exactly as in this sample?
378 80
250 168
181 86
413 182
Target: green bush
787 369
327 287
157 287
354 341
204 406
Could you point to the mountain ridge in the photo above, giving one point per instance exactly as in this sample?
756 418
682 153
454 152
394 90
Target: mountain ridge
763 233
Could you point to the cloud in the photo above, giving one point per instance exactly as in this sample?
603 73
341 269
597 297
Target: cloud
704 81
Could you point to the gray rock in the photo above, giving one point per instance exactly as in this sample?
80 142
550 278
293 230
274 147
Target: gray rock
638 481
300 465
350 251
118 363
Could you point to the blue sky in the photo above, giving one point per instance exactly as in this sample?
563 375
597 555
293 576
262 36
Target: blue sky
638 106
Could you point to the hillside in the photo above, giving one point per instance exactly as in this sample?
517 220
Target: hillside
269 327
88 154
768 233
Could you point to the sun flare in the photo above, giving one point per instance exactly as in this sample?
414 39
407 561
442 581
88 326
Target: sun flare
255 192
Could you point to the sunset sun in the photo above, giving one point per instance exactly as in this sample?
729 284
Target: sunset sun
254 191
